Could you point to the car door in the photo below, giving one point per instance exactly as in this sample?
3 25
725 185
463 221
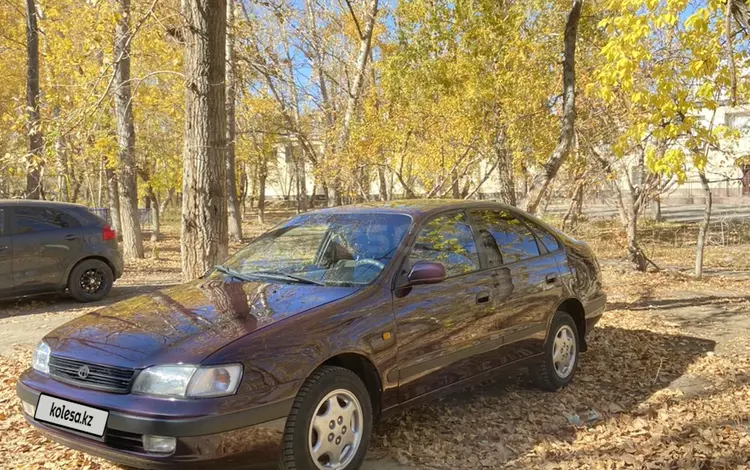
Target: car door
438 325
45 242
6 254
523 307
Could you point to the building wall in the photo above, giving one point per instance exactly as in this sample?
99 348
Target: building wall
724 174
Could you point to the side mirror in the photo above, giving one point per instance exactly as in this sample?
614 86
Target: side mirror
426 272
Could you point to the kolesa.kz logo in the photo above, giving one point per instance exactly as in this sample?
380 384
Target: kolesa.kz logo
72 416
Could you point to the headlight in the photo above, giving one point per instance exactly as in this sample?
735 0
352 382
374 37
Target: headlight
40 358
189 381
215 381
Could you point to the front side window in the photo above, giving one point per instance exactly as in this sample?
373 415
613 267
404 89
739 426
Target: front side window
513 238
40 219
448 240
325 249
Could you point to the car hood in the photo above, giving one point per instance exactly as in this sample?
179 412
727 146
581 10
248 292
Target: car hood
185 323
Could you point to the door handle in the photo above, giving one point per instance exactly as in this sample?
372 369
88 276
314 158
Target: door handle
483 297
551 278
3 248
70 238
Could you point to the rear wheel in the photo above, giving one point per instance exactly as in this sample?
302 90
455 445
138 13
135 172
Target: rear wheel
560 361
90 280
330 423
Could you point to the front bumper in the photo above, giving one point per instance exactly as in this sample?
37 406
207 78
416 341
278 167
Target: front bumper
249 439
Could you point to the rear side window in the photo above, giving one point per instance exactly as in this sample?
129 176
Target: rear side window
513 237
42 219
547 240
447 239
2 222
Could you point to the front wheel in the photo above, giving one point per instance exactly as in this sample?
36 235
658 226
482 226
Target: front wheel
330 423
560 360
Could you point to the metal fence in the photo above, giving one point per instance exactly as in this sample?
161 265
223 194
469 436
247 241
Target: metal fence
145 216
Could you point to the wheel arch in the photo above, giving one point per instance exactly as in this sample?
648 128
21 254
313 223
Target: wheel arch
573 307
364 368
103 259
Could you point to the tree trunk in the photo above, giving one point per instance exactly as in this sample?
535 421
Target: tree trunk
656 209
505 177
233 207
550 168
262 174
382 183
301 181
243 190
61 163
570 219
167 200
204 202
132 244
34 160
76 185
635 254
704 225
113 200
365 42
455 184
730 55
156 216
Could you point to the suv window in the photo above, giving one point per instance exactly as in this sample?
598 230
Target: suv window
547 240
447 239
42 219
513 237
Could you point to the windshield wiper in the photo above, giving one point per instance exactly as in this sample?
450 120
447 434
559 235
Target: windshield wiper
232 273
288 277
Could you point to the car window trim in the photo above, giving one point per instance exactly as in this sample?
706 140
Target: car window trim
418 228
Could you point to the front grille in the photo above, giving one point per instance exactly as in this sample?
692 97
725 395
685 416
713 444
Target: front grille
124 440
106 378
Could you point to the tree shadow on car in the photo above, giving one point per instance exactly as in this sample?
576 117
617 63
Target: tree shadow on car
58 302
502 419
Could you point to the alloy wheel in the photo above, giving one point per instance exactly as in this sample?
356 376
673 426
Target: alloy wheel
336 430
92 281
564 351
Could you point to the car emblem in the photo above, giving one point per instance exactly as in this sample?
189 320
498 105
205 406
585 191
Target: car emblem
83 372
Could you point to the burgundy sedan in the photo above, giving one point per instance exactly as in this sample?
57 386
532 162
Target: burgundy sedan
290 351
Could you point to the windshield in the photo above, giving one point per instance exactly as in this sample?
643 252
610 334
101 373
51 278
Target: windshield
324 249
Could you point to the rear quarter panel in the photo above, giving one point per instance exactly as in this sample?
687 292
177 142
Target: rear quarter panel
585 279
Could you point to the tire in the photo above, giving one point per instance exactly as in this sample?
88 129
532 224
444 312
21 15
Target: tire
83 273
300 434
546 375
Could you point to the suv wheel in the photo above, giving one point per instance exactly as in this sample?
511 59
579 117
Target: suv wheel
560 361
90 280
330 424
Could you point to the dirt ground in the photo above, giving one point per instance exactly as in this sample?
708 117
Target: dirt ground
665 384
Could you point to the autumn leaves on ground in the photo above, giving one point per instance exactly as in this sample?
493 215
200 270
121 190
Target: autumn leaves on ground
665 383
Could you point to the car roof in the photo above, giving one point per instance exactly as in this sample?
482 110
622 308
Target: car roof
39 203
414 207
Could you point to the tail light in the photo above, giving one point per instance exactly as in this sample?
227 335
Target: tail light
108 233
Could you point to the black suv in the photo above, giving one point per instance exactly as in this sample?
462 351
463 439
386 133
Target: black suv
52 246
